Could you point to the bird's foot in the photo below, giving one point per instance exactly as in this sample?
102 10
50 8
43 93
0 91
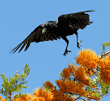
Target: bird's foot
66 51
79 44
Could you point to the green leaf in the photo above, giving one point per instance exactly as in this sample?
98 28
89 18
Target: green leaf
15 84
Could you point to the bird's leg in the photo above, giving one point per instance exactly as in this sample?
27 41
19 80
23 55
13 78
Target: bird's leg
78 42
66 51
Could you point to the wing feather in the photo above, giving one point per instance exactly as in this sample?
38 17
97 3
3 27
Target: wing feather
76 20
16 48
38 35
31 38
22 47
27 46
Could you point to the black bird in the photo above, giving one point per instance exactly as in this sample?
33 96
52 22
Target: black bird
67 24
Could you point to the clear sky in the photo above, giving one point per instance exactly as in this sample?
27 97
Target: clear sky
19 18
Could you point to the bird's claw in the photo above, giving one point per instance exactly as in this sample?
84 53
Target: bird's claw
79 44
66 51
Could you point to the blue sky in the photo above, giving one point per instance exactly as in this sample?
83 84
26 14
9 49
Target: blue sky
19 18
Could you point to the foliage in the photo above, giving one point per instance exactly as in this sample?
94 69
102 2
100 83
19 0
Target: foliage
77 81
105 44
12 85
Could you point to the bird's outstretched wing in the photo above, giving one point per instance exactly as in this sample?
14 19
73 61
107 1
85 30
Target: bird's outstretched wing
45 32
75 20
31 38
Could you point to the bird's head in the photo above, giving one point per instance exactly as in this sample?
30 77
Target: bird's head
50 24
47 26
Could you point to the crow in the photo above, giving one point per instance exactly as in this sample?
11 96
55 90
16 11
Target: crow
67 24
